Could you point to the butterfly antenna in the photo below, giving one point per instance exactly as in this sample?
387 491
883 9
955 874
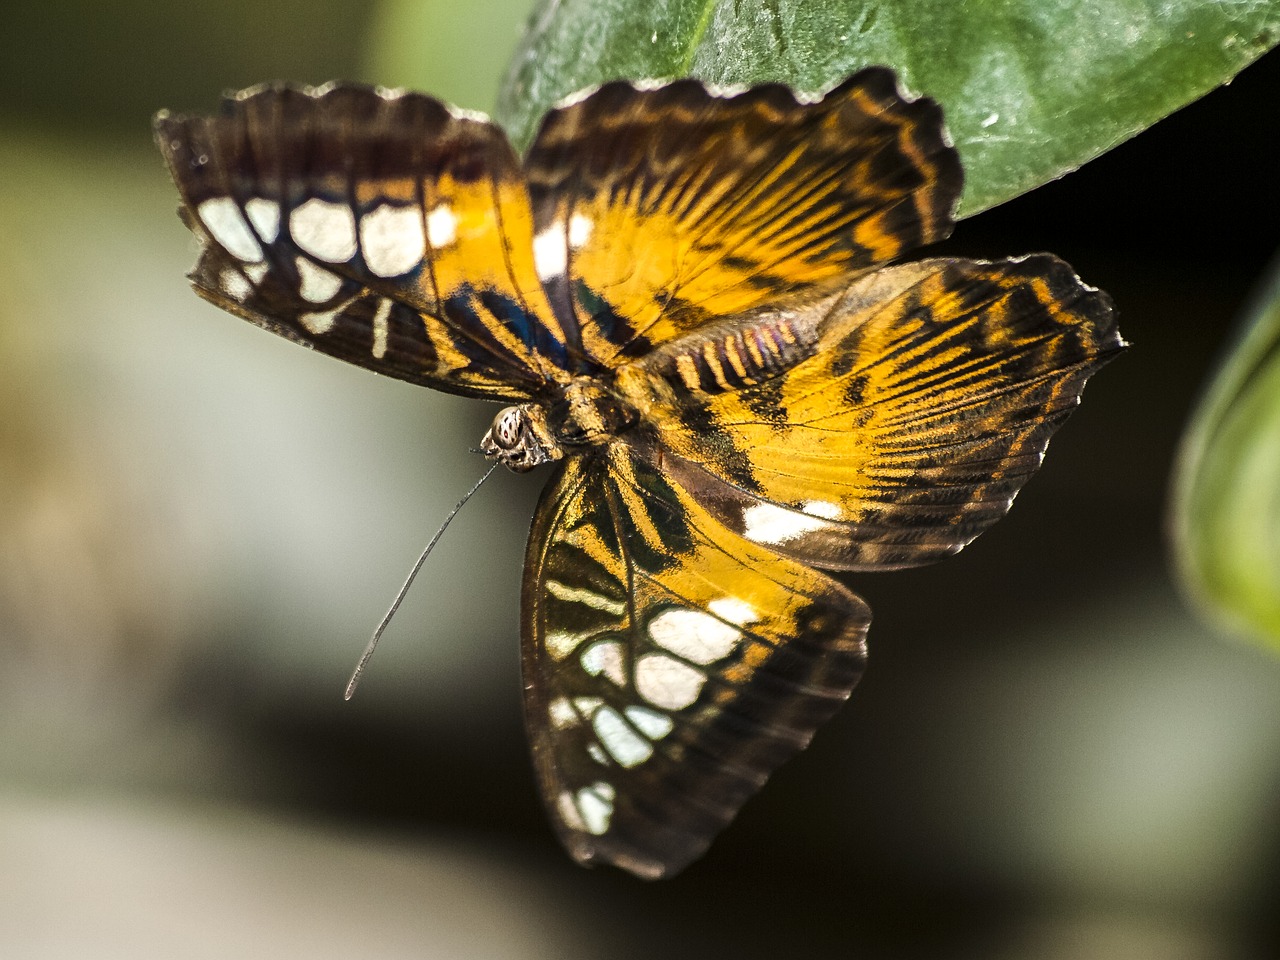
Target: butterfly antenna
395 604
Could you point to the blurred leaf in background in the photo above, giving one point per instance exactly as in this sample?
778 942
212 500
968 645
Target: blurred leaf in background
1031 89
110 66
454 51
1226 496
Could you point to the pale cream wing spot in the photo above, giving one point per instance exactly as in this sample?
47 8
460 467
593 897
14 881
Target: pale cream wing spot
595 803
666 682
391 240
562 714
824 509
317 284
734 610
769 523
265 217
694 635
626 746
561 643
550 255
324 229
605 657
321 322
234 284
257 272
226 224
583 595
651 723
580 228
442 226
380 330
568 809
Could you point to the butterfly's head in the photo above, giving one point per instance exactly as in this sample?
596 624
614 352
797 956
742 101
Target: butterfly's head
520 439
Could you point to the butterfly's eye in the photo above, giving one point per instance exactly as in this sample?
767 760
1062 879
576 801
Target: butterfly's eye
518 438
508 428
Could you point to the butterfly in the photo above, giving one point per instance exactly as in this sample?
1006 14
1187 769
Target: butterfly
685 299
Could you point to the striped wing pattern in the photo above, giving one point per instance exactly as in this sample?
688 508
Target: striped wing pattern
672 664
658 209
915 405
686 287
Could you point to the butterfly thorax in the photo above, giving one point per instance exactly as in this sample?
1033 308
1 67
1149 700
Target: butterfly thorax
530 434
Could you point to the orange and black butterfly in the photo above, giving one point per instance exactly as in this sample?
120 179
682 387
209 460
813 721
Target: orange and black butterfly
684 296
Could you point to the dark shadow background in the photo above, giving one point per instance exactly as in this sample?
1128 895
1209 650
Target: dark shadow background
1050 756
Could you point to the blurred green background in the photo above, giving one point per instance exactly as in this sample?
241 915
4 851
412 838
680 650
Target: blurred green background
1050 757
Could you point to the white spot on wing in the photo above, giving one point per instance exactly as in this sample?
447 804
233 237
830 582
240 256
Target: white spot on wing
442 226
624 744
592 599
391 240
666 682
821 508
550 256
569 811
734 610
769 523
694 635
587 705
265 217
380 328
222 218
605 658
597 754
325 230
257 271
562 714
561 643
595 804
320 322
317 284
579 230
234 284
652 724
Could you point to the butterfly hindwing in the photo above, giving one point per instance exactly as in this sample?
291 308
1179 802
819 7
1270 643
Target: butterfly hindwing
670 665
887 425
382 228
658 209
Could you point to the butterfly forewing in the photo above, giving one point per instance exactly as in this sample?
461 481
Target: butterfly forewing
660 209
382 228
670 664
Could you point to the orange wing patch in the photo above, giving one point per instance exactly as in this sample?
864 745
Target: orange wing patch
923 404
660 209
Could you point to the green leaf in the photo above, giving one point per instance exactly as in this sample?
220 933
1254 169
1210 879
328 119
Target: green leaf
1032 88
1226 502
